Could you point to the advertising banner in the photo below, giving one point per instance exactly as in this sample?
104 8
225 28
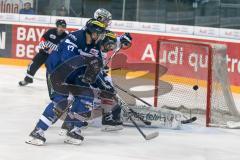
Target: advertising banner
144 50
22 43
35 19
25 40
5 40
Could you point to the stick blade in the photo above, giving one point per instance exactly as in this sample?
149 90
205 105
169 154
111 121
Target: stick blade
152 135
191 120
148 123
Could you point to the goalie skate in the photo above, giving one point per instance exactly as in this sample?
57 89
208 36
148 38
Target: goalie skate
109 124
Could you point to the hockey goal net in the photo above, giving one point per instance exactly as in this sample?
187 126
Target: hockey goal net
196 80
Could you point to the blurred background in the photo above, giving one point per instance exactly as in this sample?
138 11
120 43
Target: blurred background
209 13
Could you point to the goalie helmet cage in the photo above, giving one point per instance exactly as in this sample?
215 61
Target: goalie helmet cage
197 73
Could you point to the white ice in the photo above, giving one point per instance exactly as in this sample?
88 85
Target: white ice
22 106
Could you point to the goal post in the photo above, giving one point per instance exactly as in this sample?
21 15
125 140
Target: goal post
197 72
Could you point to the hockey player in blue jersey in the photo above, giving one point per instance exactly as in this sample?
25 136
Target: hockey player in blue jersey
110 120
107 102
77 45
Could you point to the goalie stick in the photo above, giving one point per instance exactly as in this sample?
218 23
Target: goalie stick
190 120
111 57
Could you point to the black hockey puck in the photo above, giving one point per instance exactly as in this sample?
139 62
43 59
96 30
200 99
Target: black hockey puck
195 87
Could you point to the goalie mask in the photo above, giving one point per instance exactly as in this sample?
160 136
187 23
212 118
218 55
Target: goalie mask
109 42
103 15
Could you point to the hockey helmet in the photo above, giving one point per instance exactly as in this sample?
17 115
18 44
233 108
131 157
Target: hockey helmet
95 26
61 22
103 15
110 41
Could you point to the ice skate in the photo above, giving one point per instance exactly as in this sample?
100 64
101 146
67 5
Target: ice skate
109 124
27 80
36 137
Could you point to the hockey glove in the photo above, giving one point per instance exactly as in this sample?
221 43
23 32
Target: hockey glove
126 41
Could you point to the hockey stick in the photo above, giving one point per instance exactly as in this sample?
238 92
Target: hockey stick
190 120
124 104
130 109
114 69
111 57
133 95
135 113
146 137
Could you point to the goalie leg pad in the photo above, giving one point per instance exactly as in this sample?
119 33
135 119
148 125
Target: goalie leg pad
159 118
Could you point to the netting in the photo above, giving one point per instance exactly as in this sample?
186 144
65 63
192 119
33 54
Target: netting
198 75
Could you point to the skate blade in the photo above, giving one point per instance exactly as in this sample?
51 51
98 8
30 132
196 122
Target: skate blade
109 128
62 132
34 141
73 141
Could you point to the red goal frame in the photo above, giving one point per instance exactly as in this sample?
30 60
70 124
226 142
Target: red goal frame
209 72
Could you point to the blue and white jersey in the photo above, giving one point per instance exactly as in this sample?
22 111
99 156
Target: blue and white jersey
73 45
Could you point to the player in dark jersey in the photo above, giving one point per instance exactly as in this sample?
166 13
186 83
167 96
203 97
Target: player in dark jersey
48 43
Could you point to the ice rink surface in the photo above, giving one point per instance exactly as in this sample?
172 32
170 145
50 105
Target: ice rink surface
22 106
